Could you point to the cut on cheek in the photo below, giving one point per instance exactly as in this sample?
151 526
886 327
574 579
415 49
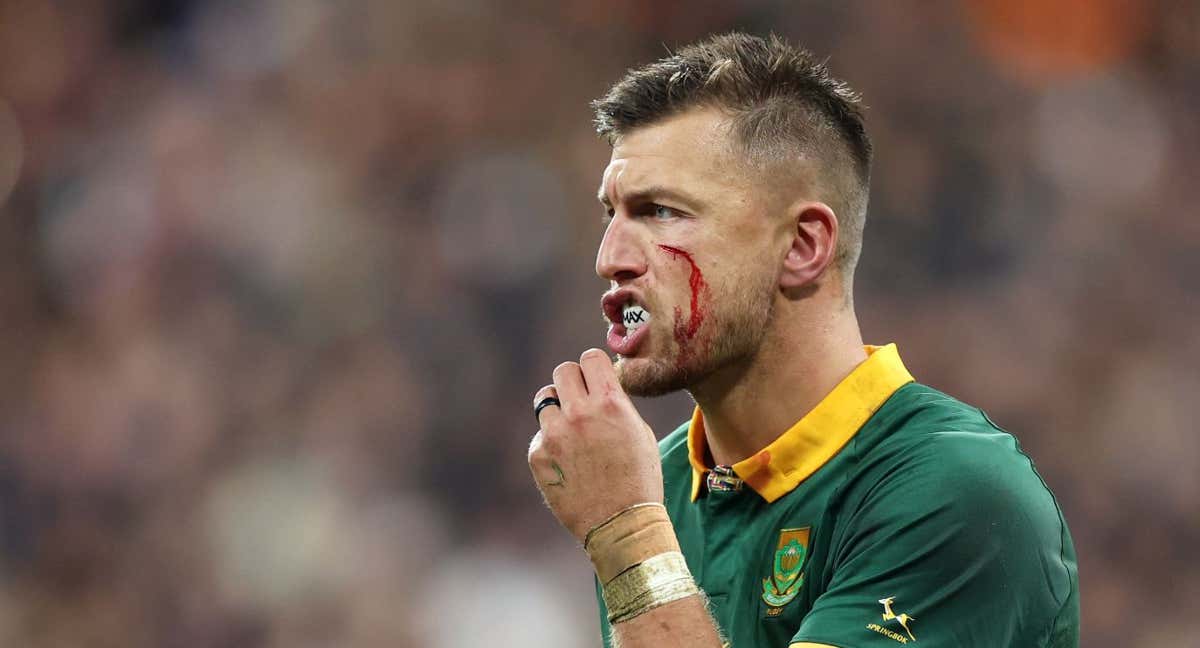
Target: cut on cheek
686 328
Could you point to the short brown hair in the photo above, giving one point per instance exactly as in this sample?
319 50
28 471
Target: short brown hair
784 106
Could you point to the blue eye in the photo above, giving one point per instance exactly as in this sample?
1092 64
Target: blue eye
663 212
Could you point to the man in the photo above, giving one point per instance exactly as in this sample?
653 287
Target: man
818 496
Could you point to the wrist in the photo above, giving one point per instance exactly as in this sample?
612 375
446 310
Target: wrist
637 560
629 538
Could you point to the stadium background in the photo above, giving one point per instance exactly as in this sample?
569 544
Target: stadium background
278 280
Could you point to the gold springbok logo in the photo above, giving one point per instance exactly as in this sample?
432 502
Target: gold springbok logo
888 615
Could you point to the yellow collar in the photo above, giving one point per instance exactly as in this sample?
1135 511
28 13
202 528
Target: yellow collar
798 453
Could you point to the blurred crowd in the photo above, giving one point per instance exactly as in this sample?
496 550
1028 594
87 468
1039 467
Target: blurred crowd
279 278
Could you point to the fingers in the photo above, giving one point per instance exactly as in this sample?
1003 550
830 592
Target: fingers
598 373
549 412
574 382
568 379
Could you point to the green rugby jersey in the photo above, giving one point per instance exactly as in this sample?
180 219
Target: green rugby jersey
890 514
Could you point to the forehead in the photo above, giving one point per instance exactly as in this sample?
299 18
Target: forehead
688 152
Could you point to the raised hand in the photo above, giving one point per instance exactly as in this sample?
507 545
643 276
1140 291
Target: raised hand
594 455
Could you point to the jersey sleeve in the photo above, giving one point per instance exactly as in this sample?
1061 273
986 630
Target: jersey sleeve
957 546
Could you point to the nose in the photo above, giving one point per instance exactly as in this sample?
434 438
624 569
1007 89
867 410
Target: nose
620 258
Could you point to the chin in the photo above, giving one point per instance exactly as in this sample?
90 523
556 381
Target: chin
646 377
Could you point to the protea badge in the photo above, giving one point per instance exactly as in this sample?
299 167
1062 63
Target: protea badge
787 574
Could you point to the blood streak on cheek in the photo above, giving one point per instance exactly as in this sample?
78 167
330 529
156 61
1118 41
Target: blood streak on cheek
684 332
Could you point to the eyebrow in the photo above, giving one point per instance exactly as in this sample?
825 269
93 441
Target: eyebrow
649 194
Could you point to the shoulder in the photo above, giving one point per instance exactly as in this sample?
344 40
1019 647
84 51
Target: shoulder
946 467
946 501
940 439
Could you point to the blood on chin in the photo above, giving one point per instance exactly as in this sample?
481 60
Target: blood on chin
651 372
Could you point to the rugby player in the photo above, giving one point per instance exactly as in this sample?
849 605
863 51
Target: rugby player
818 496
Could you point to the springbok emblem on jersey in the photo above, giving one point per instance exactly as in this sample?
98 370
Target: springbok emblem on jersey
888 615
787 573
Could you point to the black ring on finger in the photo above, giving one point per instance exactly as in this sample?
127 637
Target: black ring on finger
543 404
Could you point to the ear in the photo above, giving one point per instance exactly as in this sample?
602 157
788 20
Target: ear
813 245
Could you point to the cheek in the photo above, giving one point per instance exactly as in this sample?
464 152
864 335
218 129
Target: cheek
740 297
687 323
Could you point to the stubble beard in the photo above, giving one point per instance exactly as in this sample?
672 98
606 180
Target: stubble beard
733 333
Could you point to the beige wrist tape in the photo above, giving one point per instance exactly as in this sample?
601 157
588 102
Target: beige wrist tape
628 538
637 559
657 581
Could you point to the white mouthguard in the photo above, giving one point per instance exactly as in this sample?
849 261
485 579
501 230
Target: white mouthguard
634 316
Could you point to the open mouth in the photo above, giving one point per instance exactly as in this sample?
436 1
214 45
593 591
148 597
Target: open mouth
628 318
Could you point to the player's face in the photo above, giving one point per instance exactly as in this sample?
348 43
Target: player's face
689 253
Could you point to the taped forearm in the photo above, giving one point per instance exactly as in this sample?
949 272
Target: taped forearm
652 600
637 560
628 538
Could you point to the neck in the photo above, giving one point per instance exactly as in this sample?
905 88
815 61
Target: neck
747 407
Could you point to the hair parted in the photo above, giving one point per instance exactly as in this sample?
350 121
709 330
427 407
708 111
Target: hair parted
784 106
